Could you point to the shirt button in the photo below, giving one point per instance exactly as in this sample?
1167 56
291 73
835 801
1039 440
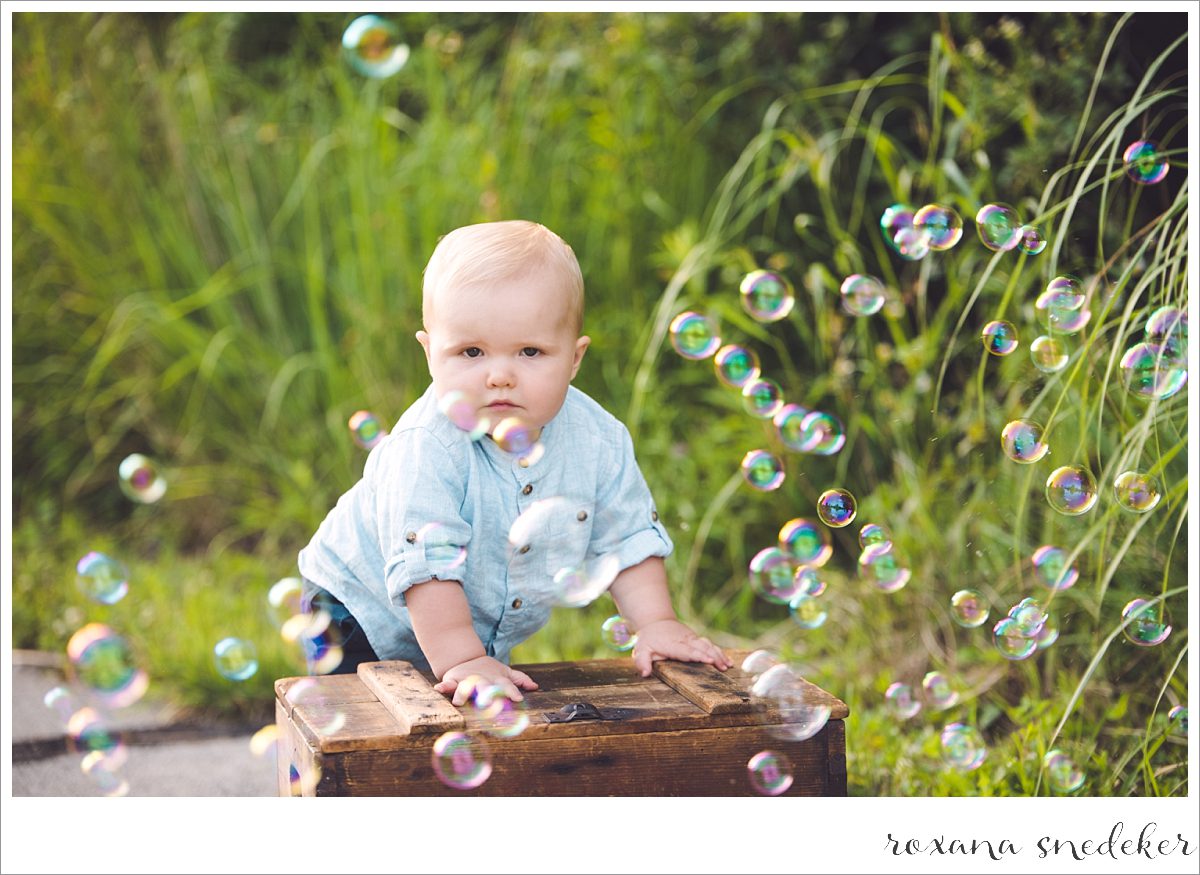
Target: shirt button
411 537
654 515
528 489
524 550
581 516
516 603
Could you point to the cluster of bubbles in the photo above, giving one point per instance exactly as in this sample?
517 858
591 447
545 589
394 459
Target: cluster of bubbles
365 429
913 233
1156 368
103 751
938 694
788 573
879 563
309 628
1026 629
373 47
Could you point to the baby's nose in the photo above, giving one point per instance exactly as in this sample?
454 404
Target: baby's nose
500 375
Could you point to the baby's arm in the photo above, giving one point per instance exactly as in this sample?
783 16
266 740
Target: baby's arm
441 619
643 600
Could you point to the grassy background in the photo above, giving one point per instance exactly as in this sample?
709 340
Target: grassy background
219 230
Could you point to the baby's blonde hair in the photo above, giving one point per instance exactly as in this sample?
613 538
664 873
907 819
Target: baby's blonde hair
492 251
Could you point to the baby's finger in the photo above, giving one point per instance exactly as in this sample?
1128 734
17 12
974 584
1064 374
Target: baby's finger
445 687
522 680
462 694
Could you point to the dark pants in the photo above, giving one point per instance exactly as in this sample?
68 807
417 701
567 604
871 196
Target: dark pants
356 648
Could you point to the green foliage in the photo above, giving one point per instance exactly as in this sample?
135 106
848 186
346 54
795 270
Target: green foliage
219 232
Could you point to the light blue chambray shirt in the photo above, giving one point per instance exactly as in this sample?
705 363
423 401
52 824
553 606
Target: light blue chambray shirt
367 551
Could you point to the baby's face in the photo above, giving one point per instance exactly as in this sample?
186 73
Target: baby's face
510 347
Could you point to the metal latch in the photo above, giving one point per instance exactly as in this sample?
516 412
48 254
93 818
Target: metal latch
586 711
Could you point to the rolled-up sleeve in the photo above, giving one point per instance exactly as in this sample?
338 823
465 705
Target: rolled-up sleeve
420 488
627 523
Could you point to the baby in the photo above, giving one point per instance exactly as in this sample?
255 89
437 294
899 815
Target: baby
415 561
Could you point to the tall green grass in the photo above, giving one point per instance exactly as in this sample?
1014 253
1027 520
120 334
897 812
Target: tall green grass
217 256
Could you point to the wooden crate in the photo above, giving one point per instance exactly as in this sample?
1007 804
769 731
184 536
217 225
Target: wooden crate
688 730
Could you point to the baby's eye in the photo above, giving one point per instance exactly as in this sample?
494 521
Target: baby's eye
472 352
531 351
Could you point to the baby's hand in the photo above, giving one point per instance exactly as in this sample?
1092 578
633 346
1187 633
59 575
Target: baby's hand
670 639
483 670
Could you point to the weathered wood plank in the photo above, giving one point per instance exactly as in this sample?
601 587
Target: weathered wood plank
299 765
704 686
409 698
584 673
332 727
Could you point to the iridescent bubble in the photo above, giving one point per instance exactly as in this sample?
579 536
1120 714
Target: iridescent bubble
1048 635
536 521
103 661
1137 492
968 608
366 429
265 741
285 599
87 732
762 398
772 576
1030 617
140 479
789 422
1062 307
1071 490
1178 719
799 711
770 773
320 640
576 587
463 411
461 761
616 633
808 612
940 224
1061 773
873 533
103 770
60 700
963 747
836 508
806 542
372 46
443 554
1051 568
736 365
1049 354
1022 441
762 470
895 219
1144 164
1000 337
826 434
878 563
767 296
911 244
236 658
1033 240
999 228
758 661
1168 327
514 435
1145 627
808 582
102 578
862 295
497 714
1011 641
1149 371
901 702
938 692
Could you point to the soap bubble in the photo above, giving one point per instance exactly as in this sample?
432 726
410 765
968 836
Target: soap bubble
1000 337
862 295
758 661
801 711
1178 718
694 336
1049 354
1048 635
366 429
497 714
772 575
762 470
1145 628
1029 615
901 702
461 761
541 517
514 435
940 224
616 633
836 508
999 228
236 658
873 533
825 433
770 773
963 747
103 662
1144 164
1150 372
140 479
912 244
1168 327
1137 492
320 639
1051 568
736 365
767 296
463 411
896 218
1062 307
1011 641
1071 490
285 599
87 732
807 611
789 422
938 692
265 742
968 608
1033 240
1061 773
805 541
576 587
807 581
103 770
443 556
1022 442
762 398
879 564
102 578
372 46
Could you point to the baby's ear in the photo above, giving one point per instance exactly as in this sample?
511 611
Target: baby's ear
423 338
581 346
